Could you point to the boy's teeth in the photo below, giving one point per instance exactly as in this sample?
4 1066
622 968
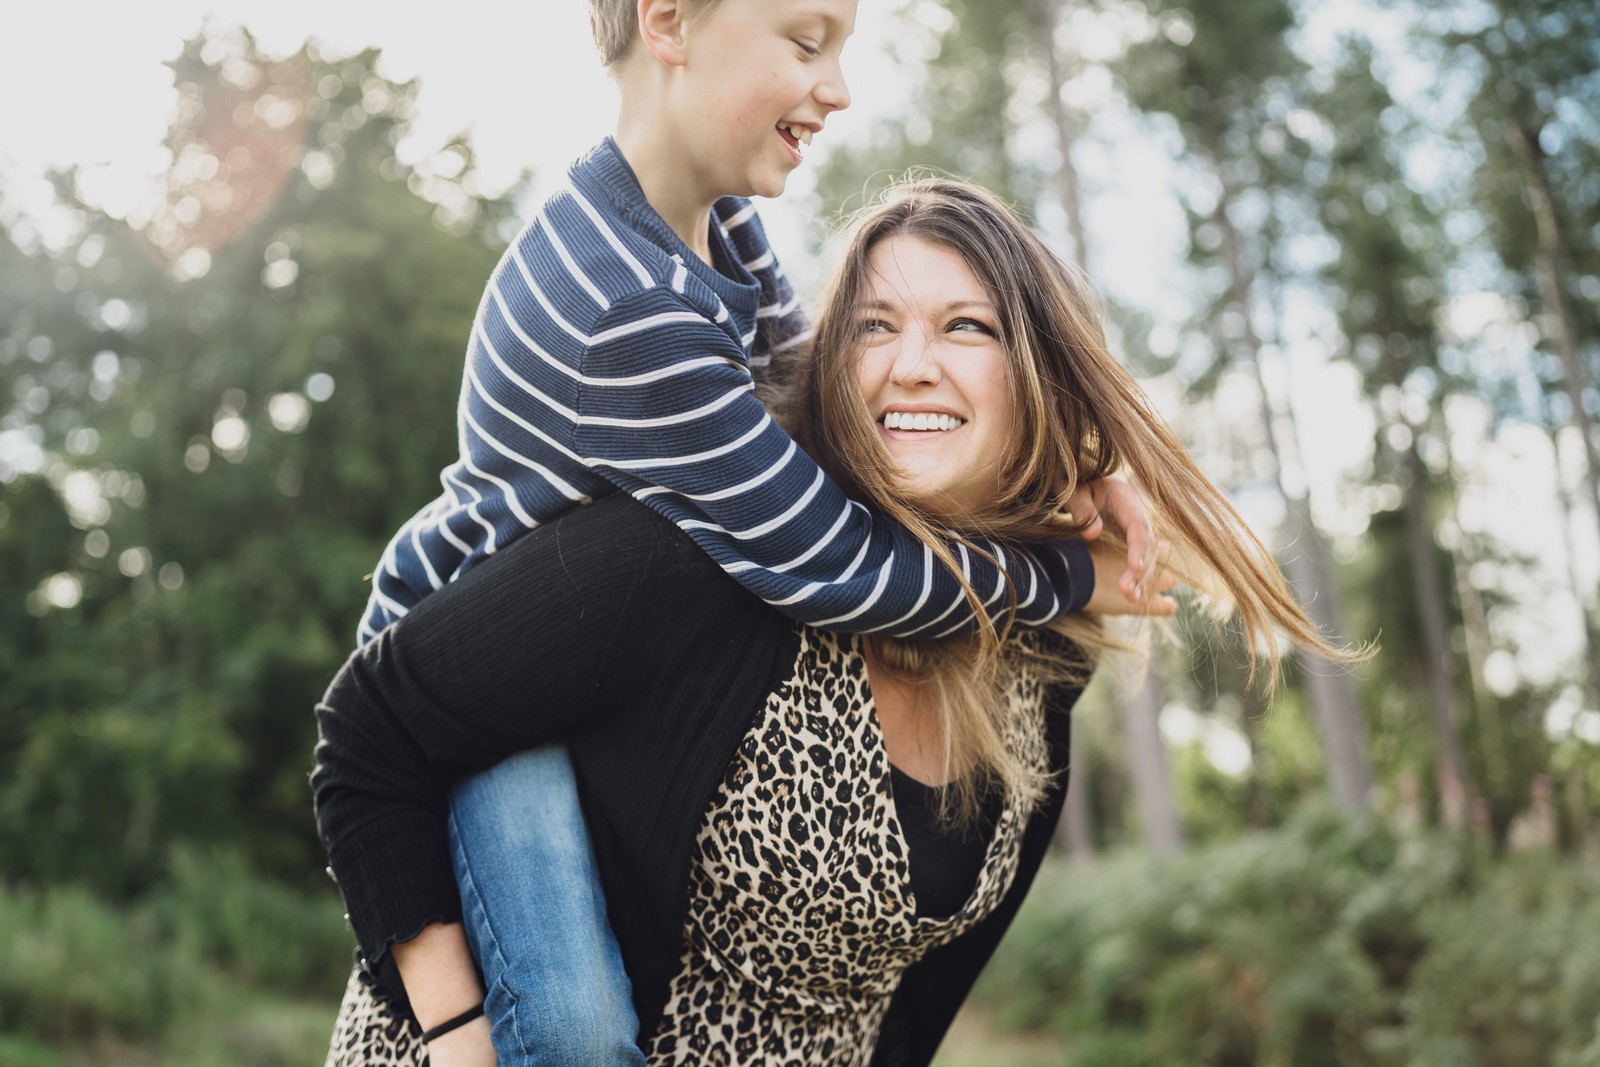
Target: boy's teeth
799 133
921 420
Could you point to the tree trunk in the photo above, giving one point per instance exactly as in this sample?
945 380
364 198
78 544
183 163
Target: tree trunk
1332 690
1454 790
1475 623
1552 259
1591 648
1252 713
1147 764
1077 820
1045 14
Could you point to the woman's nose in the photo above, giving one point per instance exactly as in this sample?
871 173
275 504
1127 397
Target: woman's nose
915 362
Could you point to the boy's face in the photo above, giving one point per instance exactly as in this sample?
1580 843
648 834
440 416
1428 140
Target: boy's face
762 77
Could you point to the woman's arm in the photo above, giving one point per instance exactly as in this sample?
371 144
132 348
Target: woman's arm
1112 587
442 982
549 636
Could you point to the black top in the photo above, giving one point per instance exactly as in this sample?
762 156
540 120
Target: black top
608 629
944 860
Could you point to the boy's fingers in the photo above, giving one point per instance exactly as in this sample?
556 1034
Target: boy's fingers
1146 592
1081 506
1124 508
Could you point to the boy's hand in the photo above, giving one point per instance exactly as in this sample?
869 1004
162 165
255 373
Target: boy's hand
1110 598
1112 500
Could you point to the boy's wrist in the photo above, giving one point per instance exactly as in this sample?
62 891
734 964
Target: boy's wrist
1079 578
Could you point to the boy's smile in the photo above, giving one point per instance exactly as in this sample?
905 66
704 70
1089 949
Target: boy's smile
796 134
759 72
728 98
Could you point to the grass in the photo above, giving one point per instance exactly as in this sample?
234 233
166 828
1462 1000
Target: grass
240 1028
975 1040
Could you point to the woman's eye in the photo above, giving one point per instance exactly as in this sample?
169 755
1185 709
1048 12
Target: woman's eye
872 326
809 49
972 325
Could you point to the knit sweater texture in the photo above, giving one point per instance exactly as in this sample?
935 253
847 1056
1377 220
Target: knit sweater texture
606 355
610 630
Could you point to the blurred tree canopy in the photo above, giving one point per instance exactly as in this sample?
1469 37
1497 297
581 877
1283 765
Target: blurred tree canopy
220 403
230 402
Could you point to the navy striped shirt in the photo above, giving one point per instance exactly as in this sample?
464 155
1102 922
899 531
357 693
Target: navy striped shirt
606 355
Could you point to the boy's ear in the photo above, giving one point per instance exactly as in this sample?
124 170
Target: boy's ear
661 29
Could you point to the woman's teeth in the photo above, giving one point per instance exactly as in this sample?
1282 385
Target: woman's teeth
921 420
799 133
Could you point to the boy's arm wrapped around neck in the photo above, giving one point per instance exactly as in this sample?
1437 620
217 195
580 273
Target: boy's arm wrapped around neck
695 443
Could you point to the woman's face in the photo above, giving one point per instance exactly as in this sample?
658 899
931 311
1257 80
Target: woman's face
933 374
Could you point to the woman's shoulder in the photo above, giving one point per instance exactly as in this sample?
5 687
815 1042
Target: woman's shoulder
618 536
598 564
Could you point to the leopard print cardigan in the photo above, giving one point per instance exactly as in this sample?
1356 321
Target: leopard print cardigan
370 1033
801 917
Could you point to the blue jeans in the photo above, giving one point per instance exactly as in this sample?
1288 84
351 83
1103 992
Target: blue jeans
536 918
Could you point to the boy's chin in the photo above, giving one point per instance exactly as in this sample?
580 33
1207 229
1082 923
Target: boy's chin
768 185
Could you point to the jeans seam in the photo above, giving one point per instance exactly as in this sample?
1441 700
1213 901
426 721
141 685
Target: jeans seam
480 921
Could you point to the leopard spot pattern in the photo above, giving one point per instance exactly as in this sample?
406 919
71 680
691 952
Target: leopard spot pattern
370 1033
801 918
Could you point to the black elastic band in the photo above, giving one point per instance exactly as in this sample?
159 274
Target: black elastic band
453 1024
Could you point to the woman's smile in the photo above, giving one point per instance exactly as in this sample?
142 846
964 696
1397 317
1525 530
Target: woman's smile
914 421
934 374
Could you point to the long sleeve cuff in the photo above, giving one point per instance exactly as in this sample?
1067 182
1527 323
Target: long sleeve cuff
392 893
1078 580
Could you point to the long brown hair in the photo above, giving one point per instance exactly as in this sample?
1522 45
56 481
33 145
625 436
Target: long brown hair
1079 416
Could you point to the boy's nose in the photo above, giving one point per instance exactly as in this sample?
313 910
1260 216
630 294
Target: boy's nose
832 91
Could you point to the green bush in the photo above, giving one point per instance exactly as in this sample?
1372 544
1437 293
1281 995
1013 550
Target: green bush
215 941
1512 975
1322 943
73 968
261 931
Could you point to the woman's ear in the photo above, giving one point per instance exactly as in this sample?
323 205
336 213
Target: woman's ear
661 28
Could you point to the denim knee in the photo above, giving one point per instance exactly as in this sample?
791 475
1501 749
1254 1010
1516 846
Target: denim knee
535 917
573 1023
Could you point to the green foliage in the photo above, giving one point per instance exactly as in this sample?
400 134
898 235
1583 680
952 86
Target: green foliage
265 934
1320 943
1513 972
235 407
74 969
190 972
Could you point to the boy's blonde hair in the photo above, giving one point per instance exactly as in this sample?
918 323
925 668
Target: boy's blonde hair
615 25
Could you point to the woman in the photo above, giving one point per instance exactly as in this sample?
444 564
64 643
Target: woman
805 840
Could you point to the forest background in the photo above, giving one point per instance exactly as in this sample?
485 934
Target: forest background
1353 252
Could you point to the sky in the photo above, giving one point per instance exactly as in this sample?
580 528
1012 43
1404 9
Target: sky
522 78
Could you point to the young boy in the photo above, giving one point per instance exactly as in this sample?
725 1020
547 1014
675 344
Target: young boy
613 350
